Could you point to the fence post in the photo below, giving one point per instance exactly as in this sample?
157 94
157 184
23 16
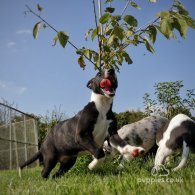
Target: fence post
16 145
36 136
10 137
25 138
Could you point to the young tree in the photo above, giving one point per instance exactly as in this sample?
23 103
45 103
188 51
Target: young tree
168 100
117 32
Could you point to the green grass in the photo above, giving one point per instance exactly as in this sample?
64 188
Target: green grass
135 178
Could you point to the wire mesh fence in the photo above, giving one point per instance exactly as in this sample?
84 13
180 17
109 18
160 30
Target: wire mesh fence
18 137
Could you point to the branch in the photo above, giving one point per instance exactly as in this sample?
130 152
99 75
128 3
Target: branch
147 25
129 1
98 34
101 32
43 20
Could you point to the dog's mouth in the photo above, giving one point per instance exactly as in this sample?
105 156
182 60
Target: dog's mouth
107 88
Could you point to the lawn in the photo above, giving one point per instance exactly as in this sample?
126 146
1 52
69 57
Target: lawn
135 178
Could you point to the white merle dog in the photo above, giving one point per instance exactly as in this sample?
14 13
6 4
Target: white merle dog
141 133
86 131
178 133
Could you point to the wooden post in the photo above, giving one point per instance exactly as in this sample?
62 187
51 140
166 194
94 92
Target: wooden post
36 137
10 138
25 138
16 145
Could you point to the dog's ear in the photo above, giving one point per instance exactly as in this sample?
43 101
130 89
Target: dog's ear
90 83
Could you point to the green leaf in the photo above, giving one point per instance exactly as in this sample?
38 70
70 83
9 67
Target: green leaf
79 51
94 34
163 14
81 62
130 20
106 48
181 8
36 28
119 32
39 8
166 28
96 57
109 9
136 40
88 53
152 33
133 4
181 26
152 1
148 46
55 39
87 33
63 38
104 18
108 31
108 1
116 18
113 41
127 58
190 21
129 33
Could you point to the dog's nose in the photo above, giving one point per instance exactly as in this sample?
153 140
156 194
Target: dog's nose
111 71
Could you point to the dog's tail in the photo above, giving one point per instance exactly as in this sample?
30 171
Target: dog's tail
31 160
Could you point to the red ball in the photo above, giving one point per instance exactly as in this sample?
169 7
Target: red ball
135 153
105 83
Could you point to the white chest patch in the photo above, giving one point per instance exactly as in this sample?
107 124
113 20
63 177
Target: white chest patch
103 105
101 130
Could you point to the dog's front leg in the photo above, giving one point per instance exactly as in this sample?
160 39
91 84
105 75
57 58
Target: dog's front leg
88 144
121 145
125 149
96 163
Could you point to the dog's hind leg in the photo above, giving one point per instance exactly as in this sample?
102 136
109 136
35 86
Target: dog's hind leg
64 167
48 165
162 153
184 157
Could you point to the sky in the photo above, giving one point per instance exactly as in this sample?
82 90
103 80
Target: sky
38 77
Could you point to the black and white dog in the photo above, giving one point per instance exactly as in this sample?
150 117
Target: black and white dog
178 133
141 133
86 131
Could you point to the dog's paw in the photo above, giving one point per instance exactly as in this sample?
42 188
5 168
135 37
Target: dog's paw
95 163
133 150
